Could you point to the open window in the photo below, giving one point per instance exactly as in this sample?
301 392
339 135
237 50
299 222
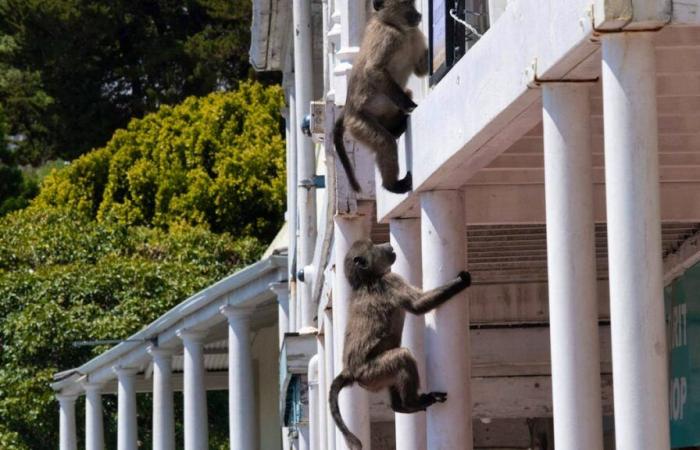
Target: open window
449 37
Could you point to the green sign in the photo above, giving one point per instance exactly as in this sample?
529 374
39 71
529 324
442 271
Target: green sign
682 299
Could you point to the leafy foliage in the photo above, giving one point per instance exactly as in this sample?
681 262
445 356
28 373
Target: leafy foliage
76 70
64 277
16 189
216 161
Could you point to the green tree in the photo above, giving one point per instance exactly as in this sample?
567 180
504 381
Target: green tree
216 161
89 66
16 189
64 277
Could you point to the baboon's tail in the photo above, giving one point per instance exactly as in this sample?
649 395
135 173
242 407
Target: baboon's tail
341 381
338 132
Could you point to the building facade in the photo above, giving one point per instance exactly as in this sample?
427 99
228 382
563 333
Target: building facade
555 154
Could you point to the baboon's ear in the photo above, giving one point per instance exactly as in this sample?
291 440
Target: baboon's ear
360 262
378 4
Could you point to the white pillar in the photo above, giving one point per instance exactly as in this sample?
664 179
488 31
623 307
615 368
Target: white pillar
68 440
127 427
306 158
405 238
194 391
241 385
314 416
94 425
354 401
281 290
573 306
163 403
447 346
323 386
330 373
640 379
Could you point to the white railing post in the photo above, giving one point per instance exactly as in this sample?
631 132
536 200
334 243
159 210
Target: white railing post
573 306
447 345
94 426
639 352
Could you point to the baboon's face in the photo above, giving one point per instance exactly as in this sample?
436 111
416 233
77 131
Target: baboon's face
401 12
366 262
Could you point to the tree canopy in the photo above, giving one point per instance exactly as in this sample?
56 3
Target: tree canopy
216 161
178 200
73 71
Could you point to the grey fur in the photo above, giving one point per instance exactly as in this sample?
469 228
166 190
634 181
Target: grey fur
377 105
372 355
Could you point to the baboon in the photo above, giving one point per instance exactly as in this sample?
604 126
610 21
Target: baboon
372 355
377 106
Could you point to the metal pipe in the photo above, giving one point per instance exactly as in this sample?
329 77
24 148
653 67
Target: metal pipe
640 379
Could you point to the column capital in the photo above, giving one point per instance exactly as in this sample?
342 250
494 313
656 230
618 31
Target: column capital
89 387
122 371
237 312
188 335
66 398
159 352
280 288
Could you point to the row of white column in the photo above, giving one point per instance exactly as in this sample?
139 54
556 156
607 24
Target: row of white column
634 253
440 342
241 396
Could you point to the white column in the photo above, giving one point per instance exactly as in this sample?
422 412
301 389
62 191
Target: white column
94 425
447 346
281 290
306 158
354 401
314 416
323 386
330 373
405 238
163 404
241 386
194 391
640 380
573 306
68 440
127 427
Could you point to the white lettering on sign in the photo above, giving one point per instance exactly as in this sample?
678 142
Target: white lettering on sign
679 395
679 326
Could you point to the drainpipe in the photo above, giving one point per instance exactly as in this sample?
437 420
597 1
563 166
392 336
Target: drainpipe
291 136
306 161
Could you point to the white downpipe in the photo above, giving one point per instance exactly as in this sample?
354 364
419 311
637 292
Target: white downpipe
573 305
163 401
354 401
306 158
640 380
68 439
314 416
405 239
447 346
194 391
323 386
292 213
330 373
127 427
94 426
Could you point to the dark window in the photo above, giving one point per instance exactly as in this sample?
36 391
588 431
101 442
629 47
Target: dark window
449 39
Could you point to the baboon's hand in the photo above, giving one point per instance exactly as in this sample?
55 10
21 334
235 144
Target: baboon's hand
466 278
